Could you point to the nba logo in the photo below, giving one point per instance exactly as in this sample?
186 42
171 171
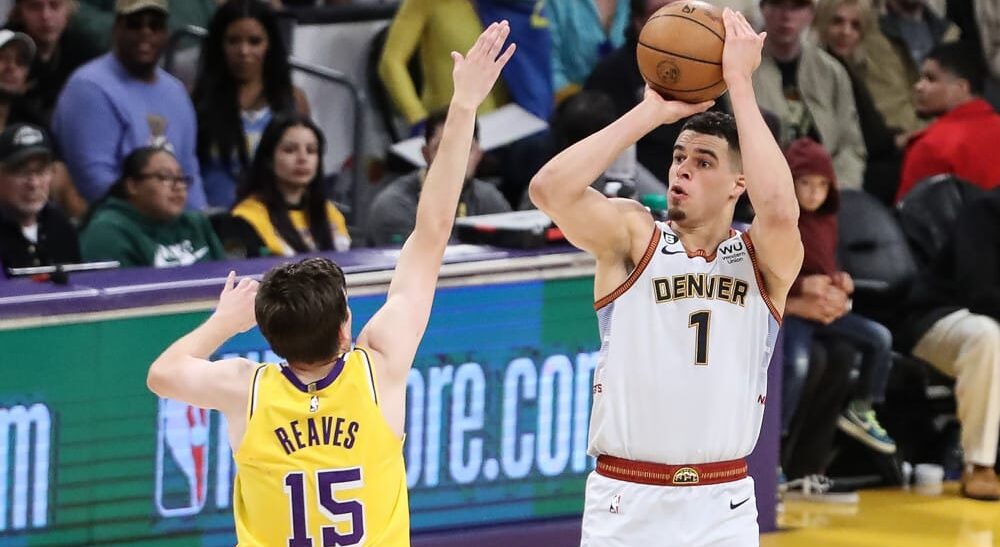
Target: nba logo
181 458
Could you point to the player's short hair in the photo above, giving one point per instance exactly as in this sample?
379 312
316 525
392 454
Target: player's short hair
963 60
717 124
580 116
300 309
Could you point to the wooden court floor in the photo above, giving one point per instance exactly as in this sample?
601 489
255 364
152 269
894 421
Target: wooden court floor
890 517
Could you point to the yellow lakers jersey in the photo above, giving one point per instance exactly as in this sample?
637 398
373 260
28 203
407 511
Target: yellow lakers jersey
318 465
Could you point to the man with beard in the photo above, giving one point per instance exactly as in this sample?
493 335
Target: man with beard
962 141
123 100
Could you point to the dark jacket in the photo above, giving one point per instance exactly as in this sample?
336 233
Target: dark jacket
882 166
965 275
57 241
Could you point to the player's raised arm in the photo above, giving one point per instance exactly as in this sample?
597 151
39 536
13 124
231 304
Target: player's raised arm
775 231
183 371
394 332
562 189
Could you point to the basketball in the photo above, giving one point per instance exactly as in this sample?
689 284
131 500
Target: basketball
680 51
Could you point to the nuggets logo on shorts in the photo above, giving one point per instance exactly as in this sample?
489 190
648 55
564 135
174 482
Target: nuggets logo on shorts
686 475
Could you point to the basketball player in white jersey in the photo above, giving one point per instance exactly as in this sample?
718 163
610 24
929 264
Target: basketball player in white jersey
688 311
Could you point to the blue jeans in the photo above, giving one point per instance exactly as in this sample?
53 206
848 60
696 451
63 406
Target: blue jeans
871 339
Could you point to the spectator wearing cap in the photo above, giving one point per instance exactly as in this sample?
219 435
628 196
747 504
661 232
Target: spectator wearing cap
808 89
123 100
16 53
59 52
142 221
963 140
94 18
16 50
33 232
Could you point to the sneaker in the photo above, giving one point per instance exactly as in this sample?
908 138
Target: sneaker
819 488
864 426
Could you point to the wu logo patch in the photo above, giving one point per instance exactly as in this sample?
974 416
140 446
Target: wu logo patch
732 253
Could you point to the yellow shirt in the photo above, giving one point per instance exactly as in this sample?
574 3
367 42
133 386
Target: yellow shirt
436 27
319 462
255 212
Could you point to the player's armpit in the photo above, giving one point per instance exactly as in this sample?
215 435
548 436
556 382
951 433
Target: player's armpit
222 385
778 253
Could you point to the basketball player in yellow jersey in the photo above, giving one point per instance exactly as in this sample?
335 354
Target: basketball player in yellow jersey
318 438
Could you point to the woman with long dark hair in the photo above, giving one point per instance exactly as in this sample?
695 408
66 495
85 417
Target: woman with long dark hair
244 79
284 197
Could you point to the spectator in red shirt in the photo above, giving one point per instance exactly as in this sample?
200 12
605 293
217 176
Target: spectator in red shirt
963 140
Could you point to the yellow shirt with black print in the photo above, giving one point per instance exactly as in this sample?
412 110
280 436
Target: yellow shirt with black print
255 212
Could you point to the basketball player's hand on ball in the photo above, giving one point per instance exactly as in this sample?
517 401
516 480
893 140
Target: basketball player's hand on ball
741 53
476 72
667 111
236 304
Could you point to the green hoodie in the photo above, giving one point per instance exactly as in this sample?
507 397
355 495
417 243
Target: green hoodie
118 231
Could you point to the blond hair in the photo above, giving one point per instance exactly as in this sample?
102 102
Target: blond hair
827 9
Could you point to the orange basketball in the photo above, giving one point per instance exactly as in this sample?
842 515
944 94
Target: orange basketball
680 51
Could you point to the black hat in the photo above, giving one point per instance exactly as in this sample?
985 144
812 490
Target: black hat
21 141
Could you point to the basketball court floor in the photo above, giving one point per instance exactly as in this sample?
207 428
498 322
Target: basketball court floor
889 518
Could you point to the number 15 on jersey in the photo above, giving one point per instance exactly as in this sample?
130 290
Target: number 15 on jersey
351 511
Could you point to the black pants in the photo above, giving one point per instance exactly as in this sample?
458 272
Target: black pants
806 449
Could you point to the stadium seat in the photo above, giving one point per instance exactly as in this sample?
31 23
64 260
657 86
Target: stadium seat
928 212
872 248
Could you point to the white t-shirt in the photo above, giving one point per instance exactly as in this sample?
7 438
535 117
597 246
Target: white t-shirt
30 232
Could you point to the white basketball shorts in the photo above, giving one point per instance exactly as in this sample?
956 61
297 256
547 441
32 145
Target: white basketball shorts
627 514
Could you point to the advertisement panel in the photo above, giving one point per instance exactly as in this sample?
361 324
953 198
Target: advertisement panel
497 417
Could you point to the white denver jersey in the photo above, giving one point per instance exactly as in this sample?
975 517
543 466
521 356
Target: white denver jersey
685 344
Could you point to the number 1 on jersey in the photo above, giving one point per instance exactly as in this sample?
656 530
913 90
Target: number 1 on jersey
700 320
327 483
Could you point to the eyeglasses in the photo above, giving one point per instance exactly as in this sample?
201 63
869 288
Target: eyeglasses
25 175
139 21
166 179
